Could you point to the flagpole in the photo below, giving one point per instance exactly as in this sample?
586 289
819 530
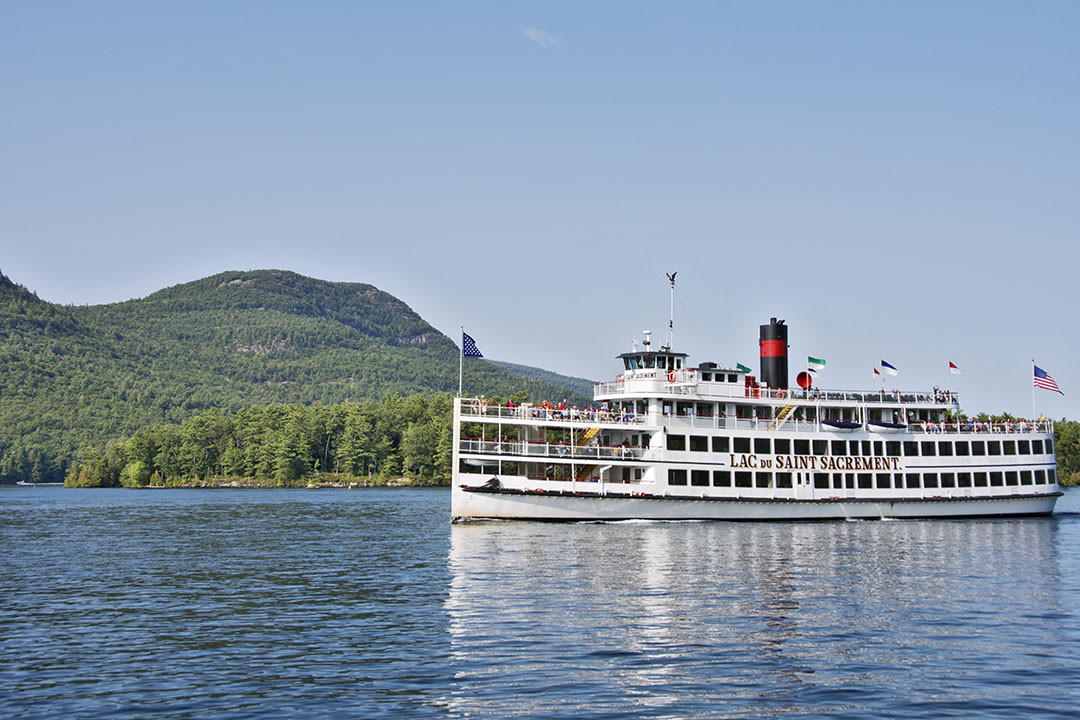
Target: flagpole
956 401
1033 415
461 361
671 314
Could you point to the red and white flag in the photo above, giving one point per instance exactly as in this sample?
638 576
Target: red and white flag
954 370
1044 381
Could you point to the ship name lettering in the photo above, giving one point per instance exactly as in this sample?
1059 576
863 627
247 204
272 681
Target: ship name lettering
796 462
813 462
744 461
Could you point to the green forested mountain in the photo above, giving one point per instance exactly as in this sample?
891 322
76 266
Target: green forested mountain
74 376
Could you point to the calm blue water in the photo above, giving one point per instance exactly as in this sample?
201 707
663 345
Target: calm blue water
248 603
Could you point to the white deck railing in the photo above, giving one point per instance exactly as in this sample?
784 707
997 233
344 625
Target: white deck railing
687 383
973 427
524 451
706 422
595 416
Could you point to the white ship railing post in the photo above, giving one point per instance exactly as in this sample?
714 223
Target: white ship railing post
455 456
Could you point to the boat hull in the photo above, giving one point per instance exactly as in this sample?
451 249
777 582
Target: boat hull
481 504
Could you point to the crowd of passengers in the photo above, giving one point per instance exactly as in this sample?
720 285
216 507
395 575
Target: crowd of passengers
604 413
1020 425
562 411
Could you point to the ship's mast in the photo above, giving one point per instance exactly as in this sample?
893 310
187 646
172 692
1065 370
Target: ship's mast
671 313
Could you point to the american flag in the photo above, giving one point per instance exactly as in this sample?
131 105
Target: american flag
468 346
1044 381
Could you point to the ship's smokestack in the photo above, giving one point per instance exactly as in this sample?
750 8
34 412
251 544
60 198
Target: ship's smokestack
772 339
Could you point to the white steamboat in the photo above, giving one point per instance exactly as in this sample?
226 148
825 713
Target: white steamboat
672 442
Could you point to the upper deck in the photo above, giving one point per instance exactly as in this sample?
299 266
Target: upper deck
474 409
732 384
658 390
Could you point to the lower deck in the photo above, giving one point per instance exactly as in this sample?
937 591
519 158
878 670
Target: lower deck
493 501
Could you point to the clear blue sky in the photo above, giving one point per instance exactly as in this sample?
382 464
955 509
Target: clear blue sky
897 180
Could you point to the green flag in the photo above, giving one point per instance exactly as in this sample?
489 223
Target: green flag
740 366
815 364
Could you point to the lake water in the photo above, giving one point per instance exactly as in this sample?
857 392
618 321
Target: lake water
333 603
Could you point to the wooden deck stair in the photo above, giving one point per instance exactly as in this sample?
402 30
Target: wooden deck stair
584 470
588 435
782 418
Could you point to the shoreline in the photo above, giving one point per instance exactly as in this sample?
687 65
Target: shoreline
266 484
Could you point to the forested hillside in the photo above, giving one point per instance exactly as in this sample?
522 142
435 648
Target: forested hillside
73 376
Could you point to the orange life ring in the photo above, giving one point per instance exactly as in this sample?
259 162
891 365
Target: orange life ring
671 376
781 394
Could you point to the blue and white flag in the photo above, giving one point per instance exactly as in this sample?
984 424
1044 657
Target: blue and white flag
468 346
886 367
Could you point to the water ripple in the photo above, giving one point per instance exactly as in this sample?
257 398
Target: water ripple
240 604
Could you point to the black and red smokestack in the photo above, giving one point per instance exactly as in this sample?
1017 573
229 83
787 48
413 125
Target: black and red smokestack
773 341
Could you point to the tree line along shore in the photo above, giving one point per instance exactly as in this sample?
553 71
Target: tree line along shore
400 441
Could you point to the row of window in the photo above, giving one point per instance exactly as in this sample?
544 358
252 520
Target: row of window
864 448
719 377
851 481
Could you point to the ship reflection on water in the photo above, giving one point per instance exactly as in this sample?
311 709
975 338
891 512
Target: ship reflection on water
729 619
